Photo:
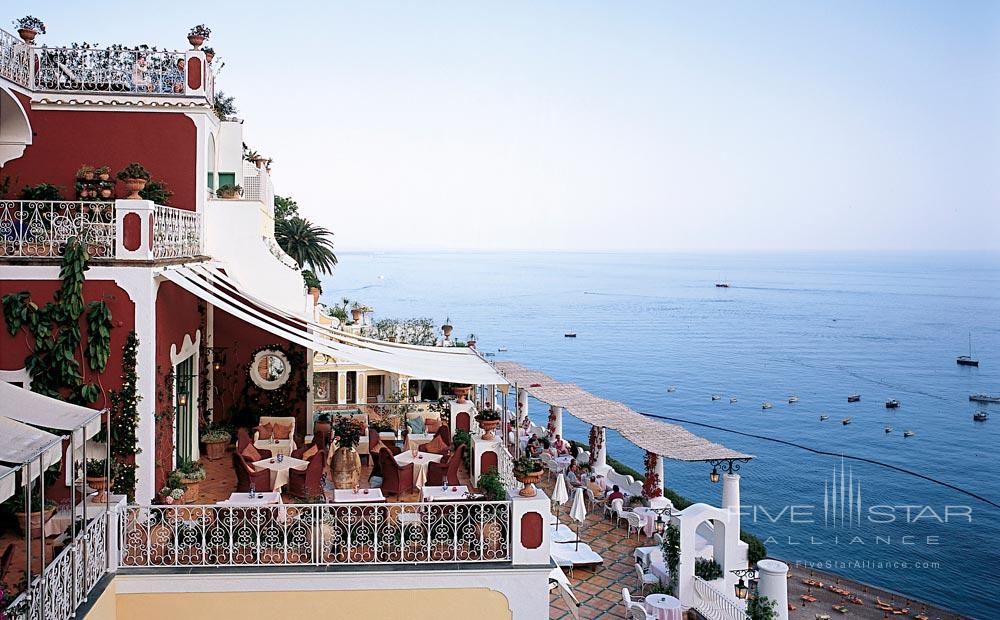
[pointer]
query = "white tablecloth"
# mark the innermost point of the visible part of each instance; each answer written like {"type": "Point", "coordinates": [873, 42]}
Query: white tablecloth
{"type": "Point", "coordinates": [439, 494]}
{"type": "Point", "coordinates": [644, 555]}
{"type": "Point", "coordinates": [419, 464]}
{"type": "Point", "coordinates": [659, 568]}
{"type": "Point", "coordinates": [283, 446]}
{"type": "Point", "coordinates": [244, 499]}
{"type": "Point", "coordinates": [279, 470]}
{"type": "Point", "coordinates": [664, 607]}
{"type": "Point", "coordinates": [563, 461]}
{"type": "Point", "coordinates": [414, 440]}
{"type": "Point", "coordinates": [348, 496]}
{"type": "Point", "coordinates": [648, 519]}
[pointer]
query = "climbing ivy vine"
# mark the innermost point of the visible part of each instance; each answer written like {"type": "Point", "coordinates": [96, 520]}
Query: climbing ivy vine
{"type": "Point", "coordinates": [55, 335]}
{"type": "Point", "coordinates": [124, 412]}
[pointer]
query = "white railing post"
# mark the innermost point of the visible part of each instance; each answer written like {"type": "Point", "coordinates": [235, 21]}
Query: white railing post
{"type": "Point", "coordinates": [530, 533]}
{"type": "Point", "coordinates": [774, 585]}
{"type": "Point", "coordinates": [134, 220]}
{"type": "Point", "coordinates": [195, 73]}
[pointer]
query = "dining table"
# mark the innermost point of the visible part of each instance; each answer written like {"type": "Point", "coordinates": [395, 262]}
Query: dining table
{"type": "Point", "coordinates": [664, 607]}
{"type": "Point", "coordinates": [279, 469]}
{"type": "Point", "coordinates": [563, 461]}
{"type": "Point", "coordinates": [259, 499]}
{"type": "Point", "coordinates": [448, 493]}
{"type": "Point", "coordinates": [649, 517]}
{"type": "Point", "coordinates": [420, 462]}
{"type": "Point", "coordinates": [275, 446]}
{"type": "Point", "coordinates": [361, 496]}
{"type": "Point", "coordinates": [415, 440]}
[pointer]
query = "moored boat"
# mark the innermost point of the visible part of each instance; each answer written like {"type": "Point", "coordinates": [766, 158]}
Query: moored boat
{"type": "Point", "coordinates": [967, 360]}
{"type": "Point", "coordinates": [716, 397]}
{"type": "Point", "coordinates": [766, 406]}
{"type": "Point", "coordinates": [671, 388]}
{"type": "Point", "coordinates": [907, 433]}
{"type": "Point", "coordinates": [892, 403]}
{"type": "Point", "coordinates": [984, 398]}
{"type": "Point", "coordinates": [888, 429]}
{"type": "Point", "coordinates": [980, 416]}
{"type": "Point", "coordinates": [823, 418]}
{"type": "Point", "coordinates": [570, 335]}
{"type": "Point", "coordinates": [845, 421]}
{"type": "Point", "coordinates": [793, 399]}
{"type": "Point", "coordinates": [853, 398]}
{"type": "Point", "coordinates": [732, 400]}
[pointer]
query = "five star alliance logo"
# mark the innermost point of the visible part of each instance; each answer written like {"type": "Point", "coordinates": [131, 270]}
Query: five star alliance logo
{"type": "Point", "coordinates": [842, 498]}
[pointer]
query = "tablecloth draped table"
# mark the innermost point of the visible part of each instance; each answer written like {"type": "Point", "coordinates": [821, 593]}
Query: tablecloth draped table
{"type": "Point", "coordinates": [279, 469]}
{"type": "Point", "coordinates": [440, 494]}
{"type": "Point", "coordinates": [648, 519]}
{"type": "Point", "coordinates": [348, 496]}
{"type": "Point", "coordinates": [282, 446]}
{"type": "Point", "coordinates": [244, 499]}
{"type": "Point", "coordinates": [664, 607]}
{"type": "Point", "coordinates": [415, 440]}
{"type": "Point", "coordinates": [563, 461]}
{"type": "Point", "coordinates": [420, 463]}
{"type": "Point", "coordinates": [659, 568]}
{"type": "Point", "coordinates": [644, 555]}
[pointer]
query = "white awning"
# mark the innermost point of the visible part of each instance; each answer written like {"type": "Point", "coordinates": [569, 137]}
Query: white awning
{"type": "Point", "coordinates": [452, 364]}
{"type": "Point", "coordinates": [23, 405]}
{"type": "Point", "coordinates": [23, 444]}
{"type": "Point", "coordinates": [8, 482]}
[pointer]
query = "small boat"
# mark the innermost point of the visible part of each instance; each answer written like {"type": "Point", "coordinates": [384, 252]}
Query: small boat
{"type": "Point", "coordinates": [845, 421]}
{"type": "Point", "coordinates": [489, 354]}
{"type": "Point", "coordinates": [732, 400]}
{"type": "Point", "coordinates": [888, 429]}
{"type": "Point", "coordinates": [892, 403]}
{"type": "Point", "coordinates": [716, 397]}
{"type": "Point", "coordinates": [984, 398]}
{"type": "Point", "coordinates": [766, 406]}
{"type": "Point", "coordinates": [570, 335]}
{"type": "Point", "coordinates": [967, 360]}
{"type": "Point", "coordinates": [824, 418]}
{"type": "Point", "coordinates": [907, 433]}
{"type": "Point", "coordinates": [502, 349]}
{"type": "Point", "coordinates": [793, 399]}
{"type": "Point", "coordinates": [672, 388]}
{"type": "Point", "coordinates": [722, 285]}
{"type": "Point", "coordinates": [853, 398]}
{"type": "Point", "coordinates": [980, 416]}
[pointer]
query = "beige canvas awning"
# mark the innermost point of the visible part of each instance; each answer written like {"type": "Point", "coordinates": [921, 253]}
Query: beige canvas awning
{"type": "Point", "coordinates": [667, 440]}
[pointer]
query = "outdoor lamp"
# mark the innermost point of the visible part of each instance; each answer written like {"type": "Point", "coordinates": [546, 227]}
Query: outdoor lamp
{"type": "Point", "coordinates": [742, 589]}
{"type": "Point", "coordinates": [714, 476]}
{"type": "Point", "coordinates": [216, 365]}
{"type": "Point", "coordinates": [182, 399]}
{"type": "Point", "coordinates": [661, 525]}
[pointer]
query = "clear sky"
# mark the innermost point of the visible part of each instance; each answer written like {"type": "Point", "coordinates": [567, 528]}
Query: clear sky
{"type": "Point", "coordinates": [608, 125]}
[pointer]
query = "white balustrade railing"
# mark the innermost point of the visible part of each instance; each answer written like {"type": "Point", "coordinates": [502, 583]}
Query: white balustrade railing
{"type": "Point", "coordinates": [283, 258]}
{"type": "Point", "coordinates": [115, 69]}
{"type": "Point", "coordinates": [14, 59]}
{"type": "Point", "coordinates": [68, 579]}
{"type": "Point", "coordinates": [315, 534]}
{"type": "Point", "coordinates": [41, 228]}
{"type": "Point", "coordinates": [176, 233]}
{"type": "Point", "coordinates": [715, 605]}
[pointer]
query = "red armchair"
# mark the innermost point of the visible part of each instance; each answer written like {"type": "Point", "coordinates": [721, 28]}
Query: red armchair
{"type": "Point", "coordinates": [395, 479]}
{"type": "Point", "coordinates": [243, 440]}
{"type": "Point", "coordinates": [245, 475]}
{"type": "Point", "coordinates": [437, 473]}
{"type": "Point", "coordinates": [308, 482]}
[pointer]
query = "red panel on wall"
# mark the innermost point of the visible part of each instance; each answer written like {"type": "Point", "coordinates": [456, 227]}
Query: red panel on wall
{"type": "Point", "coordinates": [194, 73]}
{"type": "Point", "coordinates": [487, 461]}
{"type": "Point", "coordinates": [131, 231]}
{"type": "Point", "coordinates": [531, 530]}
{"type": "Point", "coordinates": [462, 421]}
{"type": "Point", "coordinates": [165, 143]}
{"type": "Point", "coordinates": [149, 238]}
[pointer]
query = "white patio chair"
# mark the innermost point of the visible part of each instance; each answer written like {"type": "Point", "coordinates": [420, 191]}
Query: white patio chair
{"type": "Point", "coordinates": [634, 522]}
{"type": "Point", "coordinates": [592, 500]}
{"type": "Point", "coordinates": [629, 602]}
{"type": "Point", "coordinates": [638, 612]}
{"type": "Point", "coordinates": [658, 539]}
{"type": "Point", "coordinates": [614, 509]}
{"type": "Point", "coordinates": [644, 579]}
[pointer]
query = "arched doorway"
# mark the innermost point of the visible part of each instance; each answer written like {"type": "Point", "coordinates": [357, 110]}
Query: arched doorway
{"type": "Point", "coordinates": [15, 130]}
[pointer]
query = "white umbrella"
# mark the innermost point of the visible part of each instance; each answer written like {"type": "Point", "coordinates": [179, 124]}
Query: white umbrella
{"type": "Point", "coordinates": [559, 494]}
{"type": "Point", "coordinates": [578, 512]}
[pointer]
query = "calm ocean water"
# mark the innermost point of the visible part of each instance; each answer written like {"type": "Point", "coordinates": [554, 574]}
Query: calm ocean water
{"type": "Point", "coordinates": [819, 326]}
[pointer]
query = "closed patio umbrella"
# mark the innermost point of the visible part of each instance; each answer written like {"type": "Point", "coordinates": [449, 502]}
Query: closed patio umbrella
{"type": "Point", "coordinates": [559, 495]}
{"type": "Point", "coordinates": [578, 512]}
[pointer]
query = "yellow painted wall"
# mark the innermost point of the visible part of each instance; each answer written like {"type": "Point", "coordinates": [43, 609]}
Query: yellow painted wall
{"type": "Point", "coordinates": [431, 604]}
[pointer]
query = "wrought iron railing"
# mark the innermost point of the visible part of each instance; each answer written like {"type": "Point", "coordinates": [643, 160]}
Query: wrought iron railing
{"type": "Point", "coordinates": [176, 233]}
{"type": "Point", "coordinates": [36, 228]}
{"type": "Point", "coordinates": [114, 69]}
{"type": "Point", "coordinates": [15, 57]}
{"type": "Point", "coordinates": [714, 605]}
{"type": "Point", "coordinates": [315, 534]}
{"type": "Point", "coordinates": [68, 579]}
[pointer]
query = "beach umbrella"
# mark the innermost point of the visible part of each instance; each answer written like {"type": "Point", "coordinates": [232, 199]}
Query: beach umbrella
{"type": "Point", "coordinates": [559, 495]}
{"type": "Point", "coordinates": [578, 512]}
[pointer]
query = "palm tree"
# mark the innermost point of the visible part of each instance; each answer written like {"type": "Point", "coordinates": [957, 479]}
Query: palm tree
{"type": "Point", "coordinates": [306, 242]}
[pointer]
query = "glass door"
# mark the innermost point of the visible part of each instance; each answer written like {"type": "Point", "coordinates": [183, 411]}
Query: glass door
{"type": "Point", "coordinates": [184, 426]}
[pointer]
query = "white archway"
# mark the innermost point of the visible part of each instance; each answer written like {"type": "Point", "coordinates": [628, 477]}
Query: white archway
{"type": "Point", "coordinates": [724, 538]}
{"type": "Point", "coordinates": [15, 130]}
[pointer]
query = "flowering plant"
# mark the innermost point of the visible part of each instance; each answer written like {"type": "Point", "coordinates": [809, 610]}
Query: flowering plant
{"type": "Point", "coordinates": [30, 23]}
{"type": "Point", "coordinates": [348, 431]}
{"type": "Point", "coordinates": [488, 415]}
{"type": "Point", "coordinates": [651, 484]}
{"type": "Point", "coordinates": [201, 30]}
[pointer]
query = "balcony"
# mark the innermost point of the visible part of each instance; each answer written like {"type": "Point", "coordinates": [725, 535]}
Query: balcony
{"type": "Point", "coordinates": [31, 229]}
{"type": "Point", "coordinates": [112, 70]}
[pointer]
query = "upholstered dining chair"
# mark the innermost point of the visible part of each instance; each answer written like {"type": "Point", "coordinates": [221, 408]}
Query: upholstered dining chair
{"type": "Point", "coordinates": [245, 476]}
{"type": "Point", "coordinates": [243, 440]}
{"type": "Point", "coordinates": [438, 473]}
{"type": "Point", "coordinates": [396, 480]}
{"type": "Point", "coordinates": [309, 482]}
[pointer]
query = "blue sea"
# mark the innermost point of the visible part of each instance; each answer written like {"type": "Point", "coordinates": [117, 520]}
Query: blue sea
{"type": "Point", "coordinates": [819, 326]}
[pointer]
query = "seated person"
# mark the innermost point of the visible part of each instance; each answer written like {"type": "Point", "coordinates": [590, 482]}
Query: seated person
{"type": "Point", "coordinates": [615, 494]}
{"type": "Point", "coordinates": [573, 476]}
{"type": "Point", "coordinates": [561, 446]}
{"type": "Point", "coordinates": [533, 447]}
{"type": "Point", "coordinates": [526, 423]}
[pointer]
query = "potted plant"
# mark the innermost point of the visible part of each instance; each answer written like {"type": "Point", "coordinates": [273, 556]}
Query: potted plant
{"type": "Point", "coordinates": [103, 173]}
{"type": "Point", "coordinates": [229, 192]}
{"type": "Point", "coordinates": [172, 495]}
{"type": "Point", "coordinates": [106, 190]}
{"type": "Point", "coordinates": [85, 172]}
{"type": "Point", "coordinates": [216, 440]}
{"type": "Point", "coordinates": [489, 420]}
{"type": "Point", "coordinates": [471, 340]}
{"type": "Point", "coordinates": [198, 34]}
{"type": "Point", "coordinates": [135, 178]}
{"type": "Point", "coordinates": [527, 472]}
{"type": "Point", "coordinates": [29, 27]}
{"type": "Point", "coordinates": [357, 311]}
{"type": "Point", "coordinates": [96, 472]}
{"type": "Point", "coordinates": [191, 474]}
{"type": "Point", "coordinates": [447, 328]}
{"type": "Point", "coordinates": [209, 54]}
{"type": "Point", "coordinates": [347, 431]}
{"type": "Point", "coordinates": [461, 393]}
{"type": "Point", "coordinates": [39, 514]}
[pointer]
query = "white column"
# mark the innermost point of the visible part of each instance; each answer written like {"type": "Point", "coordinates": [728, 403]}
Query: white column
{"type": "Point", "coordinates": [537, 554]}
{"type": "Point", "coordinates": [774, 585]}
{"type": "Point", "coordinates": [522, 403]}
{"type": "Point", "coordinates": [658, 470]}
{"type": "Point", "coordinates": [558, 411]}
{"type": "Point", "coordinates": [144, 296]}
{"type": "Point", "coordinates": [134, 224]}
{"type": "Point", "coordinates": [731, 496]}
{"type": "Point", "coordinates": [601, 458]}
{"type": "Point", "coordinates": [341, 387]}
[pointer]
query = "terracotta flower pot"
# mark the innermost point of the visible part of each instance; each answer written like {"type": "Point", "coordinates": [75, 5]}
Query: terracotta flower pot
{"type": "Point", "coordinates": [27, 35]}
{"type": "Point", "coordinates": [104, 176]}
{"type": "Point", "coordinates": [461, 393]}
{"type": "Point", "coordinates": [105, 193]}
{"type": "Point", "coordinates": [447, 329]}
{"type": "Point", "coordinates": [346, 468]}
{"type": "Point", "coordinates": [215, 450]}
{"type": "Point", "coordinates": [356, 315]}
{"type": "Point", "coordinates": [99, 484]}
{"type": "Point", "coordinates": [488, 427]}
{"type": "Point", "coordinates": [208, 57]}
{"type": "Point", "coordinates": [38, 519]}
{"type": "Point", "coordinates": [529, 481]}
{"type": "Point", "coordinates": [133, 187]}
{"type": "Point", "coordinates": [193, 492]}
{"type": "Point", "coordinates": [196, 40]}
{"type": "Point", "coordinates": [315, 294]}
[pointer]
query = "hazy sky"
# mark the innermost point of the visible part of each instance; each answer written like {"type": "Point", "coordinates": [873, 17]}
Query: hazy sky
{"type": "Point", "coordinates": [613, 125]}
